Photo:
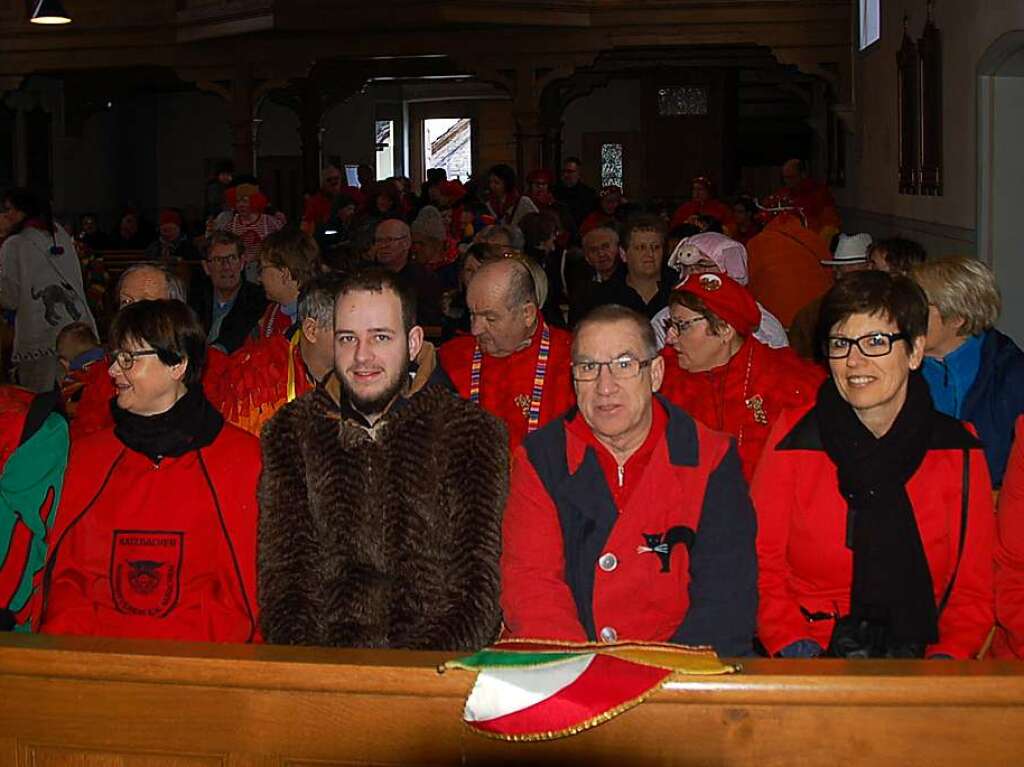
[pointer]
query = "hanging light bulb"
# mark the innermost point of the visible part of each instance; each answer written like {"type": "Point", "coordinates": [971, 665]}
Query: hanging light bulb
{"type": "Point", "coordinates": [50, 12]}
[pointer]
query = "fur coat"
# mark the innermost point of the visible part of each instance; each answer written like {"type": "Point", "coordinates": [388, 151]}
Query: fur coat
{"type": "Point", "coordinates": [383, 537]}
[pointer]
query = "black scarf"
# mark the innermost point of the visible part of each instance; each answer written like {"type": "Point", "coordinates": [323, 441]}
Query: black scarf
{"type": "Point", "coordinates": [892, 585]}
{"type": "Point", "coordinates": [193, 422]}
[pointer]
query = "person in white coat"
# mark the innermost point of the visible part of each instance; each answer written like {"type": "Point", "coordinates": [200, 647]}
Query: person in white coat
{"type": "Point", "coordinates": [41, 281]}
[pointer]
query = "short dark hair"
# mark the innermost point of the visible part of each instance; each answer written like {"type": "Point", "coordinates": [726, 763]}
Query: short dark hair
{"type": "Point", "coordinates": [573, 159]}
{"type": "Point", "coordinates": [538, 227]}
{"type": "Point", "coordinates": [893, 296]}
{"type": "Point", "coordinates": [317, 297]}
{"type": "Point", "coordinates": [31, 205]}
{"type": "Point", "coordinates": [506, 175]}
{"type": "Point", "coordinates": [375, 279]}
{"type": "Point", "coordinates": [294, 250]}
{"type": "Point", "coordinates": [901, 254]}
{"type": "Point", "coordinates": [747, 202]}
{"type": "Point", "coordinates": [643, 222]}
{"type": "Point", "coordinates": [609, 313]}
{"type": "Point", "coordinates": [170, 327]}
{"type": "Point", "coordinates": [224, 237]}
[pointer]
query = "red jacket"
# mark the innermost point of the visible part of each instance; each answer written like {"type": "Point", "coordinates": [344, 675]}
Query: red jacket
{"type": "Point", "coordinates": [578, 559]}
{"type": "Point", "coordinates": [93, 411]}
{"type": "Point", "coordinates": [507, 382]}
{"type": "Point", "coordinates": [718, 398]}
{"type": "Point", "coordinates": [1009, 639]}
{"type": "Point", "coordinates": [154, 551]}
{"type": "Point", "coordinates": [802, 557]}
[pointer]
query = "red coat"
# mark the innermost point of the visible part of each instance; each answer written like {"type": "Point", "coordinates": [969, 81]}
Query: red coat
{"type": "Point", "coordinates": [506, 383]}
{"type": "Point", "coordinates": [717, 398]}
{"type": "Point", "coordinates": [153, 551]}
{"type": "Point", "coordinates": [93, 412]}
{"type": "Point", "coordinates": [1009, 639]}
{"type": "Point", "coordinates": [577, 557]}
{"type": "Point", "coordinates": [714, 208]}
{"type": "Point", "coordinates": [803, 560]}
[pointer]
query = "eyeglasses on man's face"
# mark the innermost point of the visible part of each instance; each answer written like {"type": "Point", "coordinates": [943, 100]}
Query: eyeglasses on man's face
{"type": "Point", "coordinates": [870, 345]}
{"type": "Point", "coordinates": [620, 369]}
{"type": "Point", "coordinates": [229, 260]}
{"type": "Point", "coordinates": [390, 240]}
{"type": "Point", "coordinates": [681, 326]}
{"type": "Point", "coordinates": [126, 359]}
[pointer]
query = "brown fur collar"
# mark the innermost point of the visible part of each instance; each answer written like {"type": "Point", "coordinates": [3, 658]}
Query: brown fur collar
{"type": "Point", "coordinates": [390, 540]}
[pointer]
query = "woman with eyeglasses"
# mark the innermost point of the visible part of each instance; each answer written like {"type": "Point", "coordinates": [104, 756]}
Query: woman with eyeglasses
{"type": "Point", "coordinates": [875, 521]}
{"type": "Point", "coordinates": [719, 373]}
{"type": "Point", "coordinates": [155, 535]}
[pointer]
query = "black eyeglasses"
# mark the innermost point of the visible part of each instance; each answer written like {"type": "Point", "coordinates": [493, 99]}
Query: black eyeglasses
{"type": "Point", "coordinates": [126, 359]}
{"type": "Point", "coordinates": [621, 369]}
{"type": "Point", "coordinates": [681, 326]}
{"type": "Point", "coordinates": [870, 345]}
{"type": "Point", "coordinates": [234, 258]}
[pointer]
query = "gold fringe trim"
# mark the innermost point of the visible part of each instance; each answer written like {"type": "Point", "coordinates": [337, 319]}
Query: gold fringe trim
{"type": "Point", "coordinates": [575, 729]}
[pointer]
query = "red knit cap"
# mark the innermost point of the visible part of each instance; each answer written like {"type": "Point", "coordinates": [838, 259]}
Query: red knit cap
{"type": "Point", "coordinates": [453, 190]}
{"type": "Point", "coordinates": [168, 216]}
{"type": "Point", "coordinates": [725, 298]}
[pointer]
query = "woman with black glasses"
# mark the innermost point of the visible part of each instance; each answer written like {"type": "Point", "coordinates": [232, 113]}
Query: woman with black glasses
{"type": "Point", "coordinates": [155, 534]}
{"type": "Point", "coordinates": [875, 521]}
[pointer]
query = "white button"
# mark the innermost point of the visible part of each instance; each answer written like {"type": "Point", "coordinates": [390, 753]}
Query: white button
{"type": "Point", "coordinates": [608, 562]}
{"type": "Point", "coordinates": [608, 634]}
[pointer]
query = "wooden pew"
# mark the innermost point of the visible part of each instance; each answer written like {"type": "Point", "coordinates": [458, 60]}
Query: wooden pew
{"type": "Point", "coordinates": [92, 702]}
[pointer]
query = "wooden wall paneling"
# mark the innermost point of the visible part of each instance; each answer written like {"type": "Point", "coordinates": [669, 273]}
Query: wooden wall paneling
{"type": "Point", "coordinates": [908, 94]}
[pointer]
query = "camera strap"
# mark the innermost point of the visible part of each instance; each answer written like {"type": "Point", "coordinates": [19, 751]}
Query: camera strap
{"type": "Point", "coordinates": [965, 493]}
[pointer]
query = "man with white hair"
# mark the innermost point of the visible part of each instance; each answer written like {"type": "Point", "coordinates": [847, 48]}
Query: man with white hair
{"type": "Point", "coordinates": [514, 365]}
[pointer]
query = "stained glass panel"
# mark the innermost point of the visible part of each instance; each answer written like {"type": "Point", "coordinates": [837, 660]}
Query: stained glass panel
{"type": "Point", "coordinates": [611, 165]}
{"type": "Point", "coordinates": [686, 100]}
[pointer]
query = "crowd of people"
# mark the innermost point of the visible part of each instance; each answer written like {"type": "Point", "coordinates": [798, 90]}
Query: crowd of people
{"type": "Point", "coordinates": [430, 421]}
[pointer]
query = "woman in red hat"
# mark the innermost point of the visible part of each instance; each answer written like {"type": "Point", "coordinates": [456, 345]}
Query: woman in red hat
{"type": "Point", "coordinates": [720, 374]}
{"type": "Point", "coordinates": [248, 219]}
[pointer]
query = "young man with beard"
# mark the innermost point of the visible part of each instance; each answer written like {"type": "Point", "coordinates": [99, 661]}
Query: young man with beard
{"type": "Point", "coordinates": [381, 495]}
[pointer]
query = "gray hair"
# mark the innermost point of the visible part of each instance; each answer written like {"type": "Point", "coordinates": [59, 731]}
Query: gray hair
{"type": "Point", "coordinates": [175, 287]}
{"type": "Point", "coordinates": [608, 314]}
{"type": "Point", "coordinates": [317, 297]}
{"type": "Point", "coordinates": [513, 234]}
{"type": "Point", "coordinates": [961, 287]}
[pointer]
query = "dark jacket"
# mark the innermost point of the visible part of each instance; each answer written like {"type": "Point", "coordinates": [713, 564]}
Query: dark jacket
{"type": "Point", "coordinates": [386, 536]}
{"type": "Point", "coordinates": [240, 321]}
{"type": "Point", "coordinates": [664, 552]}
{"type": "Point", "coordinates": [996, 398]}
{"type": "Point", "coordinates": [617, 291]}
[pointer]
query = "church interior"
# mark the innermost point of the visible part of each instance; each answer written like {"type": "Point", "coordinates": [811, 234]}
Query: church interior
{"type": "Point", "coordinates": [909, 111]}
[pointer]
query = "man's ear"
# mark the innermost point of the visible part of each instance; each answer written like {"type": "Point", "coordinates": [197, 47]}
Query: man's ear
{"type": "Point", "coordinates": [415, 341]}
{"type": "Point", "coordinates": [622, 254]}
{"type": "Point", "coordinates": [530, 311]}
{"type": "Point", "coordinates": [657, 372]}
{"type": "Point", "coordinates": [310, 330]}
{"type": "Point", "coordinates": [206, 267]}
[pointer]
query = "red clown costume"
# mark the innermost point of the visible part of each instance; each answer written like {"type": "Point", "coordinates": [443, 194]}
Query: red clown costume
{"type": "Point", "coordinates": [526, 389]}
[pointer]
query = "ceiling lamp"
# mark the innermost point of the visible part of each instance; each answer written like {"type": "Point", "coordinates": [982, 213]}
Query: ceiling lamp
{"type": "Point", "coordinates": [50, 12]}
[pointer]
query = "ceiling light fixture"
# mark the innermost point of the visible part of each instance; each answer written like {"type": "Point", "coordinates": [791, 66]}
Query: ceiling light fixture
{"type": "Point", "coordinates": [50, 12]}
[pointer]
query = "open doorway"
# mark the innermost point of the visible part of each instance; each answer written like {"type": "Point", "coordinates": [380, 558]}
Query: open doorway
{"type": "Point", "coordinates": [1001, 172]}
{"type": "Point", "coordinates": [448, 144]}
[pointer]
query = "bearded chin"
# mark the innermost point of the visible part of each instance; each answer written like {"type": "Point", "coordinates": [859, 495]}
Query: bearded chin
{"type": "Point", "coordinates": [374, 406]}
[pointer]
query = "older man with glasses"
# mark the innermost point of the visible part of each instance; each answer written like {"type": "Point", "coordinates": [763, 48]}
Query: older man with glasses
{"type": "Point", "coordinates": [228, 307]}
{"type": "Point", "coordinates": [628, 520]}
{"type": "Point", "coordinates": [392, 243]}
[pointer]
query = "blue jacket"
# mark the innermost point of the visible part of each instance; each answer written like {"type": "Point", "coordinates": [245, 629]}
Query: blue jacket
{"type": "Point", "coordinates": [996, 399]}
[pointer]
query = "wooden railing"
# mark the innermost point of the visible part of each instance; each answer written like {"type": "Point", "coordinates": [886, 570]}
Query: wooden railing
{"type": "Point", "coordinates": [92, 702]}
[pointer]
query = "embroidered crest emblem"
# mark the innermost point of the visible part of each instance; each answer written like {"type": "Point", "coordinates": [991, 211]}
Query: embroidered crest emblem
{"type": "Point", "coordinates": [756, 405]}
{"type": "Point", "coordinates": [662, 544]}
{"type": "Point", "coordinates": [145, 571]}
{"type": "Point", "coordinates": [523, 403]}
{"type": "Point", "coordinates": [710, 282]}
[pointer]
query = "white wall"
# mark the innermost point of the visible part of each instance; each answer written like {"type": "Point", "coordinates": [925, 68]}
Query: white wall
{"type": "Point", "coordinates": [871, 199]}
{"type": "Point", "coordinates": [1008, 188]}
